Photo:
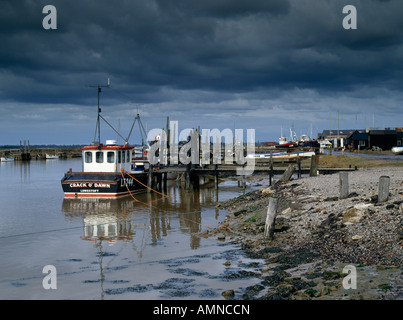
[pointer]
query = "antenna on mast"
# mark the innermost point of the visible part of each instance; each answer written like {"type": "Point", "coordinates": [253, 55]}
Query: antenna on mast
{"type": "Point", "coordinates": [142, 130]}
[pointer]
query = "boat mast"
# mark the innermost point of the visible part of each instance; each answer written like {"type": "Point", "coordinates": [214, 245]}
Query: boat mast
{"type": "Point", "coordinates": [98, 124]}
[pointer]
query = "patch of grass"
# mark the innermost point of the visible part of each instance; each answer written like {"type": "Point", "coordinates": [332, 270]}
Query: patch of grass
{"type": "Point", "coordinates": [310, 292]}
{"type": "Point", "coordinates": [340, 161]}
{"type": "Point", "coordinates": [253, 218]}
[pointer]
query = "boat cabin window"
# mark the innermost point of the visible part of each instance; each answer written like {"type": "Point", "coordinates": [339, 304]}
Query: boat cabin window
{"type": "Point", "coordinates": [123, 157]}
{"type": "Point", "coordinates": [128, 155]}
{"type": "Point", "coordinates": [99, 157]}
{"type": "Point", "coordinates": [110, 157]}
{"type": "Point", "coordinates": [88, 156]}
{"type": "Point", "coordinates": [119, 157]}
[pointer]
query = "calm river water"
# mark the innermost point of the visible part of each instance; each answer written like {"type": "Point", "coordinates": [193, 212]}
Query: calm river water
{"type": "Point", "coordinates": [112, 249]}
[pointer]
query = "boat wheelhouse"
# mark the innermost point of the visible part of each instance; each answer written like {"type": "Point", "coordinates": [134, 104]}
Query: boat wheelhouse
{"type": "Point", "coordinates": [107, 172]}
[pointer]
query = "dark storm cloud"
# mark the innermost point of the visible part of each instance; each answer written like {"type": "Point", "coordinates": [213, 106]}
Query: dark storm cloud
{"type": "Point", "coordinates": [229, 45]}
{"type": "Point", "coordinates": [229, 56]}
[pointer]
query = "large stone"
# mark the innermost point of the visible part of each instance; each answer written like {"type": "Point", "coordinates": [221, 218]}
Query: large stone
{"type": "Point", "coordinates": [228, 294]}
{"type": "Point", "coordinates": [356, 214]}
{"type": "Point", "coordinates": [268, 191]}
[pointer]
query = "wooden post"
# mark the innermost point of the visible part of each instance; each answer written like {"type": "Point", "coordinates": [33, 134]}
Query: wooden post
{"type": "Point", "coordinates": [187, 176]}
{"type": "Point", "coordinates": [159, 181]}
{"type": "Point", "coordinates": [196, 181]}
{"type": "Point", "coordinates": [299, 165]}
{"type": "Point", "coordinates": [343, 187]}
{"type": "Point", "coordinates": [287, 174]}
{"type": "Point", "coordinates": [168, 144]}
{"type": "Point", "coordinates": [271, 168]}
{"type": "Point", "coordinates": [314, 166]}
{"type": "Point", "coordinates": [271, 218]}
{"type": "Point", "coordinates": [150, 178]}
{"type": "Point", "coordinates": [383, 188]}
{"type": "Point", "coordinates": [165, 178]}
{"type": "Point", "coordinates": [216, 176]}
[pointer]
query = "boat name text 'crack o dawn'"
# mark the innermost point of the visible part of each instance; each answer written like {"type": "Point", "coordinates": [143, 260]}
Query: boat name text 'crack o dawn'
{"type": "Point", "coordinates": [90, 185]}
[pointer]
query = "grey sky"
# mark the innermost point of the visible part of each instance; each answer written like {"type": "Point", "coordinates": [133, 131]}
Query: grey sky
{"type": "Point", "coordinates": [264, 64]}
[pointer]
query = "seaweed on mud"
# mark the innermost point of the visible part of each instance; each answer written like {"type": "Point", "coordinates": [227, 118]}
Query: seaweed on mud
{"type": "Point", "coordinates": [295, 257]}
{"type": "Point", "coordinates": [251, 291]}
{"type": "Point", "coordinates": [208, 293]}
{"type": "Point", "coordinates": [136, 288]}
{"type": "Point", "coordinates": [275, 279]}
{"type": "Point", "coordinates": [264, 253]}
{"type": "Point", "coordinates": [231, 274]}
{"type": "Point", "coordinates": [173, 283]}
{"type": "Point", "coordinates": [188, 272]}
{"type": "Point", "coordinates": [176, 262]}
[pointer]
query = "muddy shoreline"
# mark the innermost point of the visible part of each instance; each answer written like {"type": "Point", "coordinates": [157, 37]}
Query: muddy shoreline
{"type": "Point", "coordinates": [317, 235]}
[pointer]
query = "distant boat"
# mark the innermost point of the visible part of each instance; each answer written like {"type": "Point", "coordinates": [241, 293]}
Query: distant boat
{"type": "Point", "coordinates": [48, 156]}
{"type": "Point", "coordinates": [6, 159]}
{"type": "Point", "coordinates": [287, 145]}
{"type": "Point", "coordinates": [397, 150]}
{"type": "Point", "coordinates": [294, 155]}
{"type": "Point", "coordinates": [264, 155]}
{"type": "Point", "coordinates": [325, 144]}
{"type": "Point", "coordinates": [310, 145]}
{"type": "Point", "coordinates": [282, 155]}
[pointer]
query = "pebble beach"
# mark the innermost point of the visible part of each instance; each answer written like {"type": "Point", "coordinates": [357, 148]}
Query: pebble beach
{"type": "Point", "coordinates": [318, 235]}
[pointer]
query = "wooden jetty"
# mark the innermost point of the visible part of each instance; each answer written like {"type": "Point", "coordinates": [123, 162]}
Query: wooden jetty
{"type": "Point", "coordinates": [192, 173]}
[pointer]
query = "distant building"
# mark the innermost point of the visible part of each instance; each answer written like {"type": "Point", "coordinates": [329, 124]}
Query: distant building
{"type": "Point", "coordinates": [399, 136]}
{"type": "Point", "coordinates": [357, 140]}
{"type": "Point", "coordinates": [384, 138]}
{"type": "Point", "coordinates": [335, 134]}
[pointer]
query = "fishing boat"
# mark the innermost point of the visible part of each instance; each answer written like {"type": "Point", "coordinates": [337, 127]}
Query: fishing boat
{"type": "Point", "coordinates": [287, 143]}
{"type": "Point", "coordinates": [7, 159]}
{"type": "Point", "coordinates": [397, 150]}
{"type": "Point", "coordinates": [310, 145]}
{"type": "Point", "coordinates": [107, 169]}
{"type": "Point", "coordinates": [48, 156]}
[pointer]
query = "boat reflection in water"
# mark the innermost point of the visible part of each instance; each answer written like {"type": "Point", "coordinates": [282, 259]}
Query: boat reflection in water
{"type": "Point", "coordinates": [119, 219]}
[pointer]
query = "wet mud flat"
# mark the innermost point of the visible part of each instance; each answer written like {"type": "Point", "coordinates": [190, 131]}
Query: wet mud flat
{"type": "Point", "coordinates": [212, 275]}
{"type": "Point", "coordinates": [318, 235]}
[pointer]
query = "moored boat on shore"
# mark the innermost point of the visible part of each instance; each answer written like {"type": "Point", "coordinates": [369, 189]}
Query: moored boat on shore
{"type": "Point", "coordinates": [107, 170]}
{"type": "Point", "coordinates": [397, 150]}
{"type": "Point", "coordinates": [282, 155]}
{"type": "Point", "coordinates": [7, 159]}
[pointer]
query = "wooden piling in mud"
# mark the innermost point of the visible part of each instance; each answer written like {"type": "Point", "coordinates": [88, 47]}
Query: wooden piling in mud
{"type": "Point", "coordinates": [150, 179]}
{"type": "Point", "coordinates": [383, 188]}
{"type": "Point", "coordinates": [299, 165]}
{"type": "Point", "coordinates": [187, 177]}
{"type": "Point", "coordinates": [314, 166]}
{"type": "Point", "coordinates": [287, 174]}
{"type": "Point", "coordinates": [271, 218]}
{"type": "Point", "coordinates": [343, 187]}
{"type": "Point", "coordinates": [216, 176]}
{"type": "Point", "coordinates": [271, 169]}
